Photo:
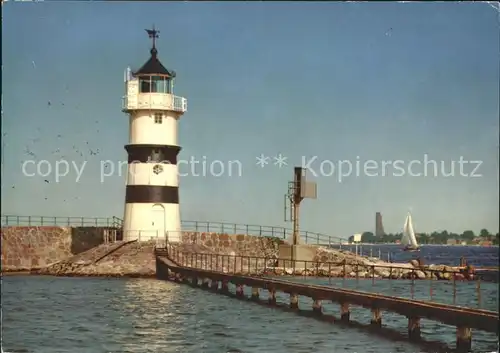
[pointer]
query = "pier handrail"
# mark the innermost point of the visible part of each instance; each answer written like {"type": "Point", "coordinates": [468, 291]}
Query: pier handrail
{"type": "Point", "coordinates": [217, 280]}
{"type": "Point", "coordinates": [268, 265]}
{"type": "Point", "coordinates": [485, 320]}
{"type": "Point", "coordinates": [176, 255]}
{"type": "Point", "coordinates": [187, 225]}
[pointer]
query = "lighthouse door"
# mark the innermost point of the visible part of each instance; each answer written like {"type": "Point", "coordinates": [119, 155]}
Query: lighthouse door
{"type": "Point", "coordinates": [158, 222]}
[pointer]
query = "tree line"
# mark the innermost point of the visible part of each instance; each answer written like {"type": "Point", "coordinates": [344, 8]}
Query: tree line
{"type": "Point", "coordinates": [442, 237]}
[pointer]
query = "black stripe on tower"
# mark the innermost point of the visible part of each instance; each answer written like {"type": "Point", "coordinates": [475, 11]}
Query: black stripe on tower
{"type": "Point", "coordinates": [151, 194]}
{"type": "Point", "coordinates": [152, 153]}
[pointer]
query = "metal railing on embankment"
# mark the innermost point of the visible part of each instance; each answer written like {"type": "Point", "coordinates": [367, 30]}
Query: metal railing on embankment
{"type": "Point", "coordinates": [253, 229]}
{"type": "Point", "coordinates": [447, 285]}
{"type": "Point", "coordinates": [36, 221]}
{"type": "Point", "coordinates": [194, 268]}
{"type": "Point", "coordinates": [188, 226]}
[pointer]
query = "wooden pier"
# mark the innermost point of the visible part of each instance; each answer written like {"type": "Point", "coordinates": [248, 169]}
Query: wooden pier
{"type": "Point", "coordinates": [464, 319]}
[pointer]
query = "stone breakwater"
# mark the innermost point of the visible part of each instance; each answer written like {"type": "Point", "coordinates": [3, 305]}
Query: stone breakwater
{"type": "Point", "coordinates": [134, 259]}
{"type": "Point", "coordinates": [121, 259]}
{"type": "Point", "coordinates": [436, 272]}
{"type": "Point", "coordinates": [65, 251]}
{"type": "Point", "coordinates": [342, 263]}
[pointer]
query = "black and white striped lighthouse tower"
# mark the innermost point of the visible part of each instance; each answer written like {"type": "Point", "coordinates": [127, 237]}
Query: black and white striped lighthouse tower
{"type": "Point", "coordinates": [152, 194]}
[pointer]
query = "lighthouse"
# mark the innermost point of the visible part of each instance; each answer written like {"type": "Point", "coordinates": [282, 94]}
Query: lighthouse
{"type": "Point", "coordinates": [152, 191]}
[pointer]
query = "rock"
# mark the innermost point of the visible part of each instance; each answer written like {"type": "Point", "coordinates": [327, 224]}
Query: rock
{"type": "Point", "coordinates": [420, 274]}
{"type": "Point", "coordinates": [322, 272]}
{"type": "Point", "coordinates": [415, 263]}
{"type": "Point", "coordinates": [384, 273]}
{"type": "Point", "coordinates": [307, 272]}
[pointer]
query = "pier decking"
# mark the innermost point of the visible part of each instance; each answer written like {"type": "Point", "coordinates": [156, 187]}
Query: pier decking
{"type": "Point", "coordinates": [464, 319]}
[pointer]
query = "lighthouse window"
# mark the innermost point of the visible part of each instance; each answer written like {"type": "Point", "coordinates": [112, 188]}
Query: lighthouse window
{"type": "Point", "coordinates": [168, 86]}
{"type": "Point", "coordinates": [158, 84]}
{"type": "Point", "coordinates": [155, 84]}
{"type": "Point", "coordinates": [158, 118]}
{"type": "Point", "coordinates": [145, 84]}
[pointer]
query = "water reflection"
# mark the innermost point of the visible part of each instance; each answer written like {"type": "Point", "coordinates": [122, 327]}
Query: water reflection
{"type": "Point", "coordinates": [152, 310]}
{"type": "Point", "coordinates": [59, 315]}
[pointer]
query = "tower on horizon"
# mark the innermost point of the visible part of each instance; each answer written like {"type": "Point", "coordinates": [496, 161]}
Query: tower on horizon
{"type": "Point", "coordinates": [379, 226]}
{"type": "Point", "coordinates": [152, 192]}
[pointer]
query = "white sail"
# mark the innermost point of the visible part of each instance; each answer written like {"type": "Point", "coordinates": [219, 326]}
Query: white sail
{"type": "Point", "coordinates": [409, 234]}
{"type": "Point", "coordinates": [405, 240]}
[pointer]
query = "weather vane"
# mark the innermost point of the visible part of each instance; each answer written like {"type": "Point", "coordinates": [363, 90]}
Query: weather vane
{"type": "Point", "coordinates": [153, 33]}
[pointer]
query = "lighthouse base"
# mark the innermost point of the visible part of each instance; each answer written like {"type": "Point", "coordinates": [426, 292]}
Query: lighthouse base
{"type": "Point", "coordinates": [152, 221]}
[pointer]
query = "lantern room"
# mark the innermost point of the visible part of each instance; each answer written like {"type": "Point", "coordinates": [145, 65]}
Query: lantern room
{"type": "Point", "coordinates": [152, 86]}
{"type": "Point", "coordinates": [154, 77]}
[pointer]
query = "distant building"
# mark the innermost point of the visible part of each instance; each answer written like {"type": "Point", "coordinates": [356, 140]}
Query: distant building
{"type": "Point", "coordinates": [379, 226]}
{"type": "Point", "coordinates": [482, 241]}
{"type": "Point", "coordinates": [356, 238]}
{"type": "Point", "coordinates": [452, 241]}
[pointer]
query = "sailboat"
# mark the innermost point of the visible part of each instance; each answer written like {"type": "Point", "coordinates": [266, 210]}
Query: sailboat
{"type": "Point", "coordinates": [409, 240]}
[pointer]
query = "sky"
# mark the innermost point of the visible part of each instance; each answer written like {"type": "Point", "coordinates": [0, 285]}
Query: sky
{"type": "Point", "coordinates": [322, 84]}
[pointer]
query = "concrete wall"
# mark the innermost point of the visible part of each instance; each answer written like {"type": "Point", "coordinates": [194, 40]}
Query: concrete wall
{"type": "Point", "coordinates": [26, 248]}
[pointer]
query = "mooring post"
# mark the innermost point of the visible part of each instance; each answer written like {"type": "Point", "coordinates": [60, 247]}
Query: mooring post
{"type": "Point", "coordinates": [478, 290]}
{"type": "Point", "coordinates": [464, 339]}
{"type": "Point", "coordinates": [294, 301]}
{"type": "Point", "coordinates": [272, 297]}
{"type": "Point", "coordinates": [414, 328]}
{"type": "Point", "coordinates": [376, 317]}
{"type": "Point", "coordinates": [194, 281]}
{"type": "Point", "coordinates": [214, 285]}
{"type": "Point", "coordinates": [225, 286]}
{"type": "Point", "coordinates": [462, 261]}
{"type": "Point", "coordinates": [317, 308]}
{"type": "Point", "coordinates": [344, 312]}
{"type": "Point", "coordinates": [205, 283]}
{"type": "Point", "coordinates": [239, 290]}
{"type": "Point", "coordinates": [454, 289]}
{"type": "Point", "coordinates": [255, 293]}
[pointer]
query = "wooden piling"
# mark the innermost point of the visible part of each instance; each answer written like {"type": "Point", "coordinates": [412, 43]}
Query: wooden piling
{"type": "Point", "coordinates": [344, 312]}
{"type": "Point", "coordinates": [414, 328]}
{"type": "Point", "coordinates": [239, 290]}
{"type": "Point", "coordinates": [214, 285]}
{"type": "Point", "coordinates": [225, 286]}
{"type": "Point", "coordinates": [255, 293]}
{"type": "Point", "coordinates": [294, 301]}
{"type": "Point", "coordinates": [272, 297]}
{"type": "Point", "coordinates": [464, 339]}
{"type": "Point", "coordinates": [376, 317]}
{"type": "Point", "coordinates": [317, 307]}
